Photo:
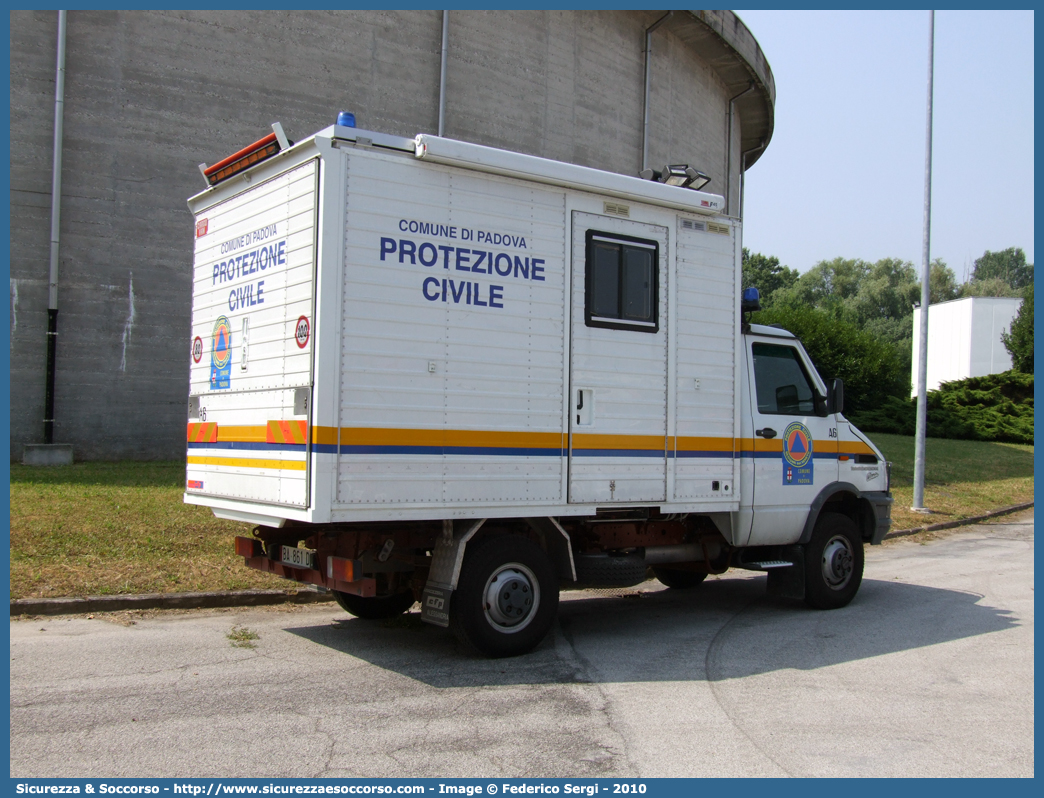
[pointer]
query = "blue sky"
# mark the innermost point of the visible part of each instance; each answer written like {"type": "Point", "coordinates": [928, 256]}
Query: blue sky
{"type": "Point", "coordinates": [844, 173]}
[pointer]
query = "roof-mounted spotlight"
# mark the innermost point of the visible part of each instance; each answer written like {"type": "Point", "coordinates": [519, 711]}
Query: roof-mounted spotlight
{"type": "Point", "coordinates": [681, 175]}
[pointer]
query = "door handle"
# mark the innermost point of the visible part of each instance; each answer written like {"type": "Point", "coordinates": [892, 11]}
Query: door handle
{"type": "Point", "coordinates": [768, 432]}
{"type": "Point", "coordinates": [585, 406]}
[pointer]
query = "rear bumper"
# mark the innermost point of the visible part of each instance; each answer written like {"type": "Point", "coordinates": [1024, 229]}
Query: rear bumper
{"type": "Point", "coordinates": [881, 503]}
{"type": "Point", "coordinates": [335, 573]}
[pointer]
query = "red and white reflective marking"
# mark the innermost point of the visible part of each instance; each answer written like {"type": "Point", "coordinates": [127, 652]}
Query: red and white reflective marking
{"type": "Point", "coordinates": [201, 228]}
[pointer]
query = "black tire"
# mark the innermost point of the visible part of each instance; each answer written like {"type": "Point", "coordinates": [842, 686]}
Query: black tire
{"type": "Point", "coordinates": [678, 579]}
{"type": "Point", "coordinates": [833, 562]}
{"type": "Point", "coordinates": [609, 570]}
{"type": "Point", "coordinates": [506, 598]}
{"type": "Point", "coordinates": [374, 608]}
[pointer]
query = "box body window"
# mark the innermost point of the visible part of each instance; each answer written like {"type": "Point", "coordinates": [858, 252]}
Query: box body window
{"type": "Point", "coordinates": [622, 282]}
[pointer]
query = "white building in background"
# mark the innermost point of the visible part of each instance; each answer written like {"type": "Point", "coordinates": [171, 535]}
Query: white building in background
{"type": "Point", "coordinates": [964, 338]}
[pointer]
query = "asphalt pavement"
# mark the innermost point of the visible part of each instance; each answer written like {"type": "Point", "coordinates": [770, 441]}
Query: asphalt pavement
{"type": "Point", "coordinates": [929, 672]}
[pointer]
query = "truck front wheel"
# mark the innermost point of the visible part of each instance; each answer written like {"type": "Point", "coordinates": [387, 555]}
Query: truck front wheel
{"type": "Point", "coordinates": [833, 562]}
{"type": "Point", "coordinates": [506, 598]}
{"type": "Point", "coordinates": [374, 608]}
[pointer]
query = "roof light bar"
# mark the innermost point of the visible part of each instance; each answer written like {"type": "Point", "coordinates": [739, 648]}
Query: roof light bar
{"type": "Point", "coordinates": [245, 158]}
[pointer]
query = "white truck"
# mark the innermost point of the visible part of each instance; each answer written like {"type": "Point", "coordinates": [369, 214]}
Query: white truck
{"type": "Point", "coordinates": [428, 370]}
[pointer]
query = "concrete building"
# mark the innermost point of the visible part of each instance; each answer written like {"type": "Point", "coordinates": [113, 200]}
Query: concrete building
{"type": "Point", "coordinates": [151, 94]}
{"type": "Point", "coordinates": [964, 339]}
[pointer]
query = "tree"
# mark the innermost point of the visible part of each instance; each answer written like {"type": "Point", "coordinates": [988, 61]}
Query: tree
{"type": "Point", "coordinates": [827, 284]}
{"type": "Point", "coordinates": [993, 286]}
{"type": "Point", "coordinates": [898, 333]}
{"type": "Point", "coordinates": [1019, 342]}
{"type": "Point", "coordinates": [1008, 265]}
{"type": "Point", "coordinates": [765, 273]}
{"type": "Point", "coordinates": [887, 291]}
{"type": "Point", "coordinates": [942, 283]}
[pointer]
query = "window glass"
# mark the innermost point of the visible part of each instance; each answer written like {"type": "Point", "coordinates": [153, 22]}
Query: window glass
{"type": "Point", "coordinates": [621, 282]}
{"type": "Point", "coordinates": [637, 284]}
{"type": "Point", "coordinates": [605, 289]}
{"type": "Point", "coordinates": [781, 384]}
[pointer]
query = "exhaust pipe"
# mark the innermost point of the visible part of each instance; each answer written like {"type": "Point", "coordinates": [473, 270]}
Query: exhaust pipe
{"type": "Point", "coordinates": [681, 552]}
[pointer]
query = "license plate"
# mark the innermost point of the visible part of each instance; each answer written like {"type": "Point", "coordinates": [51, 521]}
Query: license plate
{"type": "Point", "coordinates": [302, 558]}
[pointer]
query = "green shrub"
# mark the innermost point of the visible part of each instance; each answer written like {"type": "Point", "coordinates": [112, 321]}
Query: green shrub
{"type": "Point", "coordinates": [894, 416]}
{"type": "Point", "coordinates": [997, 407]}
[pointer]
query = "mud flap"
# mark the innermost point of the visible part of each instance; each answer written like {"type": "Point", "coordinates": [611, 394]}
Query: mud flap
{"type": "Point", "coordinates": [789, 582]}
{"type": "Point", "coordinates": [445, 570]}
{"type": "Point", "coordinates": [556, 543]}
{"type": "Point", "coordinates": [435, 605]}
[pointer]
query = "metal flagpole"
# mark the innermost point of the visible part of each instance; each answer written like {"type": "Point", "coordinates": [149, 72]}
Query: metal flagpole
{"type": "Point", "coordinates": [922, 363]}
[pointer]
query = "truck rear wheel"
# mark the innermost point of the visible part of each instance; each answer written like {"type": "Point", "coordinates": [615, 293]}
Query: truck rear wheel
{"type": "Point", "coordinates": [678, 579]}
{"type": "Point", "coordinates": [833, 562]}
{"type": "Point", "coordinates": [374, 608]}
{"type": "Point", "coordinates": [506, 598]}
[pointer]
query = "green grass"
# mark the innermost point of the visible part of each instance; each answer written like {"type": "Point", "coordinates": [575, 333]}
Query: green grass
{"type": "Point", "coordinates": [108, 528]}
{"type": "Point", "coordinates": [961, 478]}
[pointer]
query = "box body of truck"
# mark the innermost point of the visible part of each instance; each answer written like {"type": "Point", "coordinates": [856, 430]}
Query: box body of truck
{"type": "Point", "coordinates": [402, 347]}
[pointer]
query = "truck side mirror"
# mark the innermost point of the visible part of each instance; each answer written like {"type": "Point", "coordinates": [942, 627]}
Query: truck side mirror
{"type": "Point", "coordinates": [836, 400]}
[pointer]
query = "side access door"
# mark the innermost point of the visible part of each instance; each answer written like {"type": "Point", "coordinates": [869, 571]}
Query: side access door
{"type": "Point", "coordinates": [253, 312]}
{"type": "Point", "coordinates": [618, 361]}
{"type": "Point", "coordinates": [794, 443]}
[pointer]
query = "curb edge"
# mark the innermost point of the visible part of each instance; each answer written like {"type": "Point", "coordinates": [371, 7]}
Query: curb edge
{"type": "Point", "coordinates": [900, 533]}
{"type": "Point", "coordinates": [165, 601]}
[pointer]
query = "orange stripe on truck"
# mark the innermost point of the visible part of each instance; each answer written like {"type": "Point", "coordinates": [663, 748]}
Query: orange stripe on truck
{"type": "Point", "coordinates": [236, 434]}
{"type": "Point", "coordinates": [294, 431]}
{"type": "Point", "coordinates": [381, 436]}
{"type": "Point", "coordinates": [202, 432]}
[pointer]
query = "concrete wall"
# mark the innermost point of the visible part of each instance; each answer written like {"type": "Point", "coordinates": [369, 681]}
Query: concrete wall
{"type": "Point", "coordinates": [151, 94]}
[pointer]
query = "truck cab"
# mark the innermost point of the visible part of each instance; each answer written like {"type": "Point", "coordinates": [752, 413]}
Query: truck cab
{"type": "Point", "coordinates": [800, 454]}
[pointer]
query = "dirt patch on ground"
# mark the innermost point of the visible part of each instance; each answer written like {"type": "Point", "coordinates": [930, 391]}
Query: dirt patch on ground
{"type": "Point", "coordinates": [1019, 517]}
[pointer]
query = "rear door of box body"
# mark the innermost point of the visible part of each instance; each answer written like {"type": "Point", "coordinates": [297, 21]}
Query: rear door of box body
{"type": "Point", "coordinates": [252, 342]}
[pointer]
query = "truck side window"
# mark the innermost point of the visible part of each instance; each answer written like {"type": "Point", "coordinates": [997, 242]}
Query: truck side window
{"type": "Point", "coordinates": [622, 287]}
{"type": "Point", "coordinates": [781, 383]}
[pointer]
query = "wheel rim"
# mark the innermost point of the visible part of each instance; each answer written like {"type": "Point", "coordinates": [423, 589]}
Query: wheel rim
{"type": "Point", "coordinates": [511, 598]}
{"type": "Point", "coordinates": [838, 562]}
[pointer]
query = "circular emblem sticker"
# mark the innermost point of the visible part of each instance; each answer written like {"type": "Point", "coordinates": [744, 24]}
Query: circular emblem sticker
{"type": "Point", "coordinates": [302, 332]}
{"type": "Point", "coordinates": [197, 350]}
{"type": "Point", "coordinates": [222, 343]}
{"type": "Point", "coordinates": [797, 445]}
